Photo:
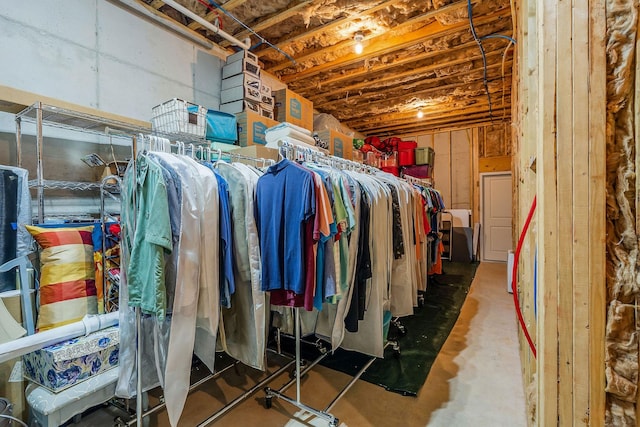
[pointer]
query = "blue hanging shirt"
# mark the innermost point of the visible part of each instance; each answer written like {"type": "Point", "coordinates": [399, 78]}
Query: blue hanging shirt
{"type": "Point", "coordinates": [285, 200]}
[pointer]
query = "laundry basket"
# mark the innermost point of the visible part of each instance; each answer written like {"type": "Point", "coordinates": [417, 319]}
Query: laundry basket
{"type": "Point", "coordinates": [180, 117]}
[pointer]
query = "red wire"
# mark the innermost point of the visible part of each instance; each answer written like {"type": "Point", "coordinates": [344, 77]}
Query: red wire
{"type": "Point", "coordinates": [514, 278]}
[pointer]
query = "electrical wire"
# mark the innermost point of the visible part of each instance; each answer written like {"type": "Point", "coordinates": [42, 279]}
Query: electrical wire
{"type": "Point", "coordinates": [484, 56]}
{"type": "Point", "coordinates": [514, 278]}
{"type": "Point", "coordinates": [498, 36]}
{"type": "Point", "coordinates": [9, 417]}
{"type": "Point", "coordinates": [212, 3]}
{"type": "Point", "coordinates": [478, 40]}
{"type": "Point", "coordinates": [504, 83]}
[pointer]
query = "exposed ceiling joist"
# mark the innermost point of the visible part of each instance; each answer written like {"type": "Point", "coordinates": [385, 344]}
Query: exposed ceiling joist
{"type": "Point", "coordinates": [383, 45]}
{"type": "Point", "coordinates": [417, 55]}
{"type": "Point", "coordinates": [210, 16]}
{"type": "Point", "coordinates": [273, 19]}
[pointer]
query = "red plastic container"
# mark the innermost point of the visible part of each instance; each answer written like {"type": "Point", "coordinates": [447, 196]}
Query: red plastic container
{"type": "Point", "coordinates": [393, 170]}
{"type": "Point", "coordinates": [407, 157]}
{"type": "Point", "coordinates": [407, 145]}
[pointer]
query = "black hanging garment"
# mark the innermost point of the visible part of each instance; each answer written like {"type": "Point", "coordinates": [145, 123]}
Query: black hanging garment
{"type": "Point", "coordinates": [8, 217]}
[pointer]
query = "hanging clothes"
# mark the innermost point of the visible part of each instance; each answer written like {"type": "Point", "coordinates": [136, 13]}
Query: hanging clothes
{"type": "Point", "coordinates": [243, 325]}
{"type": "Point", "coordinates": [285, 198]}
{"type": "Point", "coordinates": [8, 216]}
{"type": "Point", "coordinates": [24, 241]}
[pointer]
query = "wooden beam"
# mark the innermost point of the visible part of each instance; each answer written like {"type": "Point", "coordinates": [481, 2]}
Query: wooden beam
{"type": "Point", "coordinates": [494, 164]}
{"type": "Point", "coordinates": [405, 62]}
{"type": "Point", "coordinates": [272, 20]}
{"type": "Point", "coordinates": [382, 45]}
{"type": "Point", "coordinates": [212, 14]}
{"type": "Point", "coordinates": [385, 103]}
{"type": "Point", "coordinates": [429, 115]}
{"type": "Point", "coordinates": [564, 239]}
{"type": "Point", "coordinates": [331, 25]}
{"type": "Point", "coordinates": [444, 127]}
{"type": "Point", "coordinates": [397, 118]}
{"type": "Point", "coordinates": [597, 208]}
{"type": "Point", "coordinates": [313, 95]}
{"type": "Point", "coordinates": [409, 85]}
{"type": "Point", "coordinates": [435, 111]}
{"type": "Point", "coordinates": [547, 214]}
{"type": "Point", "coordinates": [410, 128]}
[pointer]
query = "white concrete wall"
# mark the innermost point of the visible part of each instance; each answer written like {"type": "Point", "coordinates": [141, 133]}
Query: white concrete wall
{"type": "Point", "coordinates": [96, 54]}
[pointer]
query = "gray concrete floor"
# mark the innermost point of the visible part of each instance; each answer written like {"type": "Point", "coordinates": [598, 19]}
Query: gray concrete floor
{"type": "Point", "coordinates": [475, 381]}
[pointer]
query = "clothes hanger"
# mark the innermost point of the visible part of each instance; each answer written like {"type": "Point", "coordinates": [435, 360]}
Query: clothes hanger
{"type": "Point", "coordinates": [219, 153]}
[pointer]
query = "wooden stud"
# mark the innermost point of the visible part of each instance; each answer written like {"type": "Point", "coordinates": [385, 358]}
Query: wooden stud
{"type": "Point", "coordinates": [547, 361]}
{"type": "Point", "coordinates": [597, 225]}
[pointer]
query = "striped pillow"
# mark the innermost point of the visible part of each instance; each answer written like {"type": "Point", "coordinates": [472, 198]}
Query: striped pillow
{"type": "Point", "coordinates": [67, 277]}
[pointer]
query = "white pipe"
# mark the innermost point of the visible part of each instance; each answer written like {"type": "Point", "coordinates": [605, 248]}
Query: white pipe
{"type": "Point", "coordinates": [87, 325]}
{"type": "Point", "coordinates": [137, 7]}
{"type": "Point", "coordinates": [206, 24]}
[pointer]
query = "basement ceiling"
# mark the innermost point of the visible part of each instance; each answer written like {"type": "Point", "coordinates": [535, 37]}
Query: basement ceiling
{"type": "Point", "coordinates": [418, 55]}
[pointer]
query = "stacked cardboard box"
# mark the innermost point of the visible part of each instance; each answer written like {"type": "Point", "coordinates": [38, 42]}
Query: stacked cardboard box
{"type": "Point", "coordinates": [252, 127]}
{"type": "Point", "coordinates": [293, 108]}
{"type": "Point", "coordinates": [267, 102]}
{"type": "Point", "coordinates": [241, 83]}
{"type": "Point", "coordinates": [340, 145]}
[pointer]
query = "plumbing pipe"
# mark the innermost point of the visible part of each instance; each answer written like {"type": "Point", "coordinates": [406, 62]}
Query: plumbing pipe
{"type": "Point", "coordinates": [206, 24]}
{"type": "Point", "coordinates": [137, 7]}
{"type": "Point", "coordinates": [87, 325]}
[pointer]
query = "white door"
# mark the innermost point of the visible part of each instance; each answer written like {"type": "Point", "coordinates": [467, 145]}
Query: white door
{"type": "Point", "coordinates": [496, 216]}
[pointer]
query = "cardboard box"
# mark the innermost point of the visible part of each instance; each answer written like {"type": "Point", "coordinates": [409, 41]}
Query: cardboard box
{"type": "Point", "coordinates": [238, 93]}
{"type": "Point", "coordinates": [267, 102]}
{"type": "Point", "coordinates": [293, 108]}
{"type": "Point", "coordinates": [243, 79]}
{"type": "Point", "coordinates": [265, 90]}
{"type": "Point", "coordinates": [252, 127]}
{"type": "Point", "coordinates": [242, 55]}
{"type": "Point", "coordinates": [60, 366]}
{"type": "Point", "coordinates": [239, 67]}
{"type": "Point", "coordinates": [259, 152]}
{"type": "Point", "coordinates": [266, 112]}
{"type": "Point", "coordinates": [239, 106]}
{"type": "Point", "coordinates": [340, 145]}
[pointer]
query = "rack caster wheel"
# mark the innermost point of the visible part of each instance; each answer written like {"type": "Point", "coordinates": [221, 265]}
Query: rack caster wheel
{"type": "Point", "coordinates": [268, 402]}
{"type": "Point", "coordinates": [334, 423]}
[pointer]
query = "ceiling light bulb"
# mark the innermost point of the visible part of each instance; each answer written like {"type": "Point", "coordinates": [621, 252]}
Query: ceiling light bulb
{"type": "Point", "coordinates": [358, 39]}
{"type": "Point", "coordinates": [420, 114]}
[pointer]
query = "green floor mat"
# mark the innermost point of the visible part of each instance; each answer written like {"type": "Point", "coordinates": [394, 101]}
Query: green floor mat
{"type": "Point", "coordinates": [426, 332]}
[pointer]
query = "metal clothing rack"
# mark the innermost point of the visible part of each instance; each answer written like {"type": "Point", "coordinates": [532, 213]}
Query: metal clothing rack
{"type": "Point", "coordinates": [290, 150]}
{"type": "Point", "coordinates": [199, 151]}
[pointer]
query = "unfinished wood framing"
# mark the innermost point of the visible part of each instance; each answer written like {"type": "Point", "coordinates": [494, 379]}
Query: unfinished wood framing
{"type": "Point", "coordinates": [560, 122]}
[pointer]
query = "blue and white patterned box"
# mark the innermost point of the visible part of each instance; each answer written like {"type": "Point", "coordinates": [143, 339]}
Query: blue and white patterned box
{"type": "Point", "coordinates": [62, 365]}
